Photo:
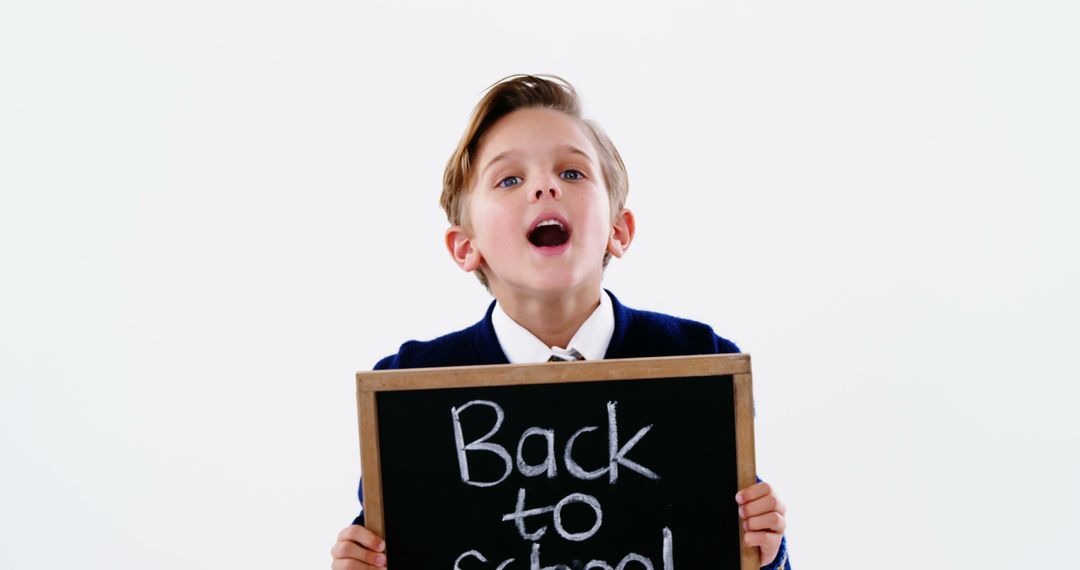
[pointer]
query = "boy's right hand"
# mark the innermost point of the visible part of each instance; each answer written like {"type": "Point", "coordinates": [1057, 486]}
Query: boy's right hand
{"type": "Point", "coordinates": [358, 548]}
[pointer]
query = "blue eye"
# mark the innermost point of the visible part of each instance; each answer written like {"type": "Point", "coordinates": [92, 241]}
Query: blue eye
{"type": "Point", "coordinates": [515, 180]}
{"type": "Point", "coordinates": [577, 175]}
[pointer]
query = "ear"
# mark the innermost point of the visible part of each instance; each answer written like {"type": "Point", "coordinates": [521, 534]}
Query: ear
{"type": "Point", "coordinates": [461, 248]}
{"type": "Point", "coordinates": [622, 233]}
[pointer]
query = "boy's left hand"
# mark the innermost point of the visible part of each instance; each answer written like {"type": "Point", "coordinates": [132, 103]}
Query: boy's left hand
{"type": "Point", "coordinates": [762, 514]}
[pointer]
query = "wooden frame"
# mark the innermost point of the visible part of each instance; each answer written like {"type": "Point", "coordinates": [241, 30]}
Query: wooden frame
{"type": "Point", "coordinates": [368, 384]}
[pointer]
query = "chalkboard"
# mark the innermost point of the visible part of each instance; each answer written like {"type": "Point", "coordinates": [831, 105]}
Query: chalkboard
{"type": "Point", "coordinates": [603, 465]}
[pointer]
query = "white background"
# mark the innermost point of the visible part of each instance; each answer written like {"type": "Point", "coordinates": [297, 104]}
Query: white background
{"type": "Point", "coordinates": [215, 212]}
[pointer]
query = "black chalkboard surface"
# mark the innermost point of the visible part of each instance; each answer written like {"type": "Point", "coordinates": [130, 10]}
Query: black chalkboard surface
{"type": "Point", "coordinates": [604, 465]}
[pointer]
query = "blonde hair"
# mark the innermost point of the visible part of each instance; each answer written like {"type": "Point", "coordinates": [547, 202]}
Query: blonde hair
{"type": "Point", "coordinates": [523, 92]}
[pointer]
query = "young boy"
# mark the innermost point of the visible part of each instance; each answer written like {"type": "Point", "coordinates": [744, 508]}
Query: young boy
{"type": "Point", "coordinates": [534, 194]}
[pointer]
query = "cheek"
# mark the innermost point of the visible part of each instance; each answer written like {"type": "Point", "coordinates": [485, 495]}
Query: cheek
{"type": "Point", "coordinates": [598, 219]}
{"type": "Point", "coordinates": [494, 234]}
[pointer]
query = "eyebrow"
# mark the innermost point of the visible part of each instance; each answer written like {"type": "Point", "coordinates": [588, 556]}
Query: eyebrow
{"type": "Point", "coordinates": [512, 153]}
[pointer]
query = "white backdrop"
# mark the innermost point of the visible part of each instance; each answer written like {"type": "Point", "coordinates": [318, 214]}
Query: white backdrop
{"type": "Point", "coordinates": [215, 212]}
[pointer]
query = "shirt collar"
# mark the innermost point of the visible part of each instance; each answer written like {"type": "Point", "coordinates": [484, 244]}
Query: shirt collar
{"type": "Point", "coordinates": [521, 346]}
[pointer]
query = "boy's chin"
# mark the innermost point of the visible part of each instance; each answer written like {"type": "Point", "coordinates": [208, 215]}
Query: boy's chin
{"type": "Point", "coordinates": [554, 283]}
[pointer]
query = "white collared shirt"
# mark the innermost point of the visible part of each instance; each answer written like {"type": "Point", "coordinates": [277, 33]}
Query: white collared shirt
{"type": "Point", "coordinates": [522, 346]}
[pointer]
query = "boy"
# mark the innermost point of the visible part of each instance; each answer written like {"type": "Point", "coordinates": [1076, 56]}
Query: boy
{"type": "Point", "coordinates": [534, 194]}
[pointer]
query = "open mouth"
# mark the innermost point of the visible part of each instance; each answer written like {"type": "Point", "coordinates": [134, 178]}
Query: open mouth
{"type": "Point", "coordinates": [551, 232]}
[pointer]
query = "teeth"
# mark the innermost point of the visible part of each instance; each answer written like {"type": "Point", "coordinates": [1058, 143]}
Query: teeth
{"type": "Point", "coordinates": [549, 223]}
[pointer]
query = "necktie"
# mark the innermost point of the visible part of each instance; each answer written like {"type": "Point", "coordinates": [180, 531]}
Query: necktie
{"type": "Point", "coordinates": [574, 353]}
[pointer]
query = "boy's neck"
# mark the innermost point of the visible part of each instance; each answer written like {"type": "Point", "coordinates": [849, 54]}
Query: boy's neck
{"type": "Point", "coordinates": [553, 320]}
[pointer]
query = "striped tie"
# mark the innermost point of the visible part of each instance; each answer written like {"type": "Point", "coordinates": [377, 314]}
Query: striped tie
{"type": "Point", "coordinates": [574, 353]}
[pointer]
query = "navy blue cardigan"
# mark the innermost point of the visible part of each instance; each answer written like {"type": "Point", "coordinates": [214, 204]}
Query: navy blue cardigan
{"type": "Point", "coordinates": [638, 334]}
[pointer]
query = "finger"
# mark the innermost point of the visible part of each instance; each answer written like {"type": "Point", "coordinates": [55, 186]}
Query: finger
{"type": "Point", "coordinates": [342, 564]}
{"type": "Point", "coordinates": [349, 550]}
{"type": "Point", "coordinates": [755, 491]}
{"type": "Point", "coordinates": [768, 542]}
{"type": "Point", "coordinates": [766, 504]}
{"type": "Point", "coordinates": [363, 537]}
{"type": "Point", "coordinates": [773, 522]}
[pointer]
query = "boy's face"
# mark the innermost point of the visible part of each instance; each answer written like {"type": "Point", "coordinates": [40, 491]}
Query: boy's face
{"type": "Point", "coordinates": [537, 217]}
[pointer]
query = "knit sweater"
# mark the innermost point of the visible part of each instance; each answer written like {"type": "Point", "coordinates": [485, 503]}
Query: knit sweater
{"type": "Point", "coordinates": [638, 334]}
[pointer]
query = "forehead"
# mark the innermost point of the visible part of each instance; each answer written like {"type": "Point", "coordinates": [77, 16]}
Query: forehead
{"type": "Point", "coordinates": [532, 132]}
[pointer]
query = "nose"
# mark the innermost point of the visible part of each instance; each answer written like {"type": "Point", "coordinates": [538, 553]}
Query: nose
{"type": "Point", "coordinates": [552, 191]}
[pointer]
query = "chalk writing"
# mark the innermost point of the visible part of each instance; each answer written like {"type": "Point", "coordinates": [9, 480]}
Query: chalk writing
{"type": "Point", "coordinates": [616, 456]}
